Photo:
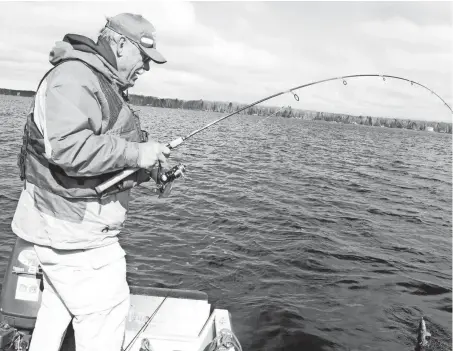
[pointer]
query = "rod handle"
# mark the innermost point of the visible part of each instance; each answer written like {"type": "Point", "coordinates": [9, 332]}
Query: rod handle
{"type": "Point", "coordinates": [175, 143]}
{"type": "Point", "coordinates": [115, 179]}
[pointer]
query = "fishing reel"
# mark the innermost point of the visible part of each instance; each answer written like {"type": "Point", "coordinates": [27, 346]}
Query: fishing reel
{"type": "Point", "coordinates": [165, 178]}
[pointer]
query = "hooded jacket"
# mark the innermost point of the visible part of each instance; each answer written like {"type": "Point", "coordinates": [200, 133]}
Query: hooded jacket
{"type": "Point", "coordinates": [79, 132]}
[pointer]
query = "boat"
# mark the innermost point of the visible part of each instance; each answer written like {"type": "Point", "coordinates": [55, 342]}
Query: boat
{"type": "Point", "coordinates": [159, 319]}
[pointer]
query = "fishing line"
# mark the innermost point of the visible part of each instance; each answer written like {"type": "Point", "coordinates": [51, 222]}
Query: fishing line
{"type": "Point", "coordinates": [274, 114]}
{"type": "Point", "coordinates": [175, 143]}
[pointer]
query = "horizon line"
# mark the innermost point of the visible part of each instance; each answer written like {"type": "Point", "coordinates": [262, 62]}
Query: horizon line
{"type": "Point", "coordinates": [240, 103]}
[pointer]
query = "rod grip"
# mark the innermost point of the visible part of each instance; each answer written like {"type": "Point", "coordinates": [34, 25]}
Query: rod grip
{"type": "Point", "coordinates": [175, 143]}
{"type": "Point", "coordinates": [115, 179]}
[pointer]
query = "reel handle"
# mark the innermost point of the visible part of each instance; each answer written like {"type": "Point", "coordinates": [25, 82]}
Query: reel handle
{"type": "Point", "coordinates": [127, 172]}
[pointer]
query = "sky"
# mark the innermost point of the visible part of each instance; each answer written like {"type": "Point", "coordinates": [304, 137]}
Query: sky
{"type": "Point", "coordinates": [244, 51]}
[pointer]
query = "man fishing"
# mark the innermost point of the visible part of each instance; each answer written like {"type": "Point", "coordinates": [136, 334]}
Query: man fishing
{"type": "Point", "coordinates": [79, 132]}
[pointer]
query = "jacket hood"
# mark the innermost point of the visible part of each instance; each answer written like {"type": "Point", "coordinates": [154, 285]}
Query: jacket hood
{"type": "Point", "coordinates": [99, 56]}
{"type": "Point", "coordinates": [102, 48]}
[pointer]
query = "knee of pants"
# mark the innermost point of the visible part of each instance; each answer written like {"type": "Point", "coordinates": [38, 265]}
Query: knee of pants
{"type": "Point", "coordinates": [50, 329]}
{"type": "Point", "coordinates": [52, 313]}
{"type": "Point", "coordinates": [102, 330]}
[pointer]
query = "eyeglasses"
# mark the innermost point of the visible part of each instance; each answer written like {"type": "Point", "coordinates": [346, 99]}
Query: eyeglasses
{"type": "Point", "coordinates": [145, 57]}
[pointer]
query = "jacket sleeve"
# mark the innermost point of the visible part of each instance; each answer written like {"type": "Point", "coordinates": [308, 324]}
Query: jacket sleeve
{"type": "Point", "coordinates": [72, 118]}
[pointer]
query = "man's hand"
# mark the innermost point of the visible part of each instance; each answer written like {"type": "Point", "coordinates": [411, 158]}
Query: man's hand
{"type": "Point", "coordinates": [150, 153]}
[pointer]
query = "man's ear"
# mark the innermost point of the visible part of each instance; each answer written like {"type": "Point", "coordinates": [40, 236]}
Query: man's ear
{"type": "Point", "coordinates": [120, 46]}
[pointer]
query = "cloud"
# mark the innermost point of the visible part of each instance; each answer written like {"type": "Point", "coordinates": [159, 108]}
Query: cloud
{"type": "Point", "coordinates": [243, 51]}
{"type": "Point", "coordinates": [173, 77]}
{"type": "Point", "coordinates": [207, 46]}
{"type": "Point", "coordinates": [425, 61]}
{"type": "Point", "coordinates": [401, 29]}
{"type": "Point", "coordinates": [236, 54]}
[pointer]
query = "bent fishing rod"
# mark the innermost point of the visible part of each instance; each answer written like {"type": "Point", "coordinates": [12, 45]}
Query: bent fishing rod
{"type": "Point", "coordinates": [177, 171]}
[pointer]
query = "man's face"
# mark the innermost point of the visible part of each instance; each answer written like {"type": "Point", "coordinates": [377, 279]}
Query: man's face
{"type": "Point", "coordinates": [131, 61]}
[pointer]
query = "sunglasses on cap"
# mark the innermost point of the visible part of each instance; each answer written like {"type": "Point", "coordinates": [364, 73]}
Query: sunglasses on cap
{"type": "Point", "coordinates": [146, 42]}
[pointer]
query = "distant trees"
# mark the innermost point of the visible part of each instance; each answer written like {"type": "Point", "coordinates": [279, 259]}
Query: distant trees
{"type": "Point", "coordinates": [27, 93]}
{"type": "Point", "coordinates": [287, 112]}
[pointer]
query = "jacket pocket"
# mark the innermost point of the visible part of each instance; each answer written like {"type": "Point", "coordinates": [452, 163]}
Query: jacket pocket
{"type": "Point", "coordinates": [107, 214]}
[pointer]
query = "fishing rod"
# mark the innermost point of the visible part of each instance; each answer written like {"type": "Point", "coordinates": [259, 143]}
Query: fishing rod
{"type": "Point", "coordinates": [145, 325]}
{"type": "Point", "coordinates": [168, 177]}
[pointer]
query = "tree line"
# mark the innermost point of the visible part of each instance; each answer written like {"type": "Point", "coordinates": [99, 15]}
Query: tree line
{"type": "Point", "coordinates": [288, 112]}
{"type": "Point", "coordinates": [27, 93]}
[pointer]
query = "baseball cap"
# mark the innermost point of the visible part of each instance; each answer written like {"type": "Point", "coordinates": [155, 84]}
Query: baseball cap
{"type": "Point", "coordinates": [139, 30]}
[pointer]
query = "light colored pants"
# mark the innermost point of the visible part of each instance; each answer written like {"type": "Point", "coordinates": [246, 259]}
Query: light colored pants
{"type": "Point", "coordinates": [88, 287]}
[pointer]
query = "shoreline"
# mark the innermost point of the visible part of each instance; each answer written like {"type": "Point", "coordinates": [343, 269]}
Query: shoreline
{"type": "Point", "coordinates": [230, 107]}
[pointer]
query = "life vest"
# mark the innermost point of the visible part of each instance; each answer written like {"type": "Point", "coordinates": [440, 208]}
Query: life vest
{"type": "Point", "coordinates": [117, 119]}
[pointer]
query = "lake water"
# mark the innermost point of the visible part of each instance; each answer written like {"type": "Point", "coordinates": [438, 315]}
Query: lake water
{"type": "Point", "coordinates": [314, 235]}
